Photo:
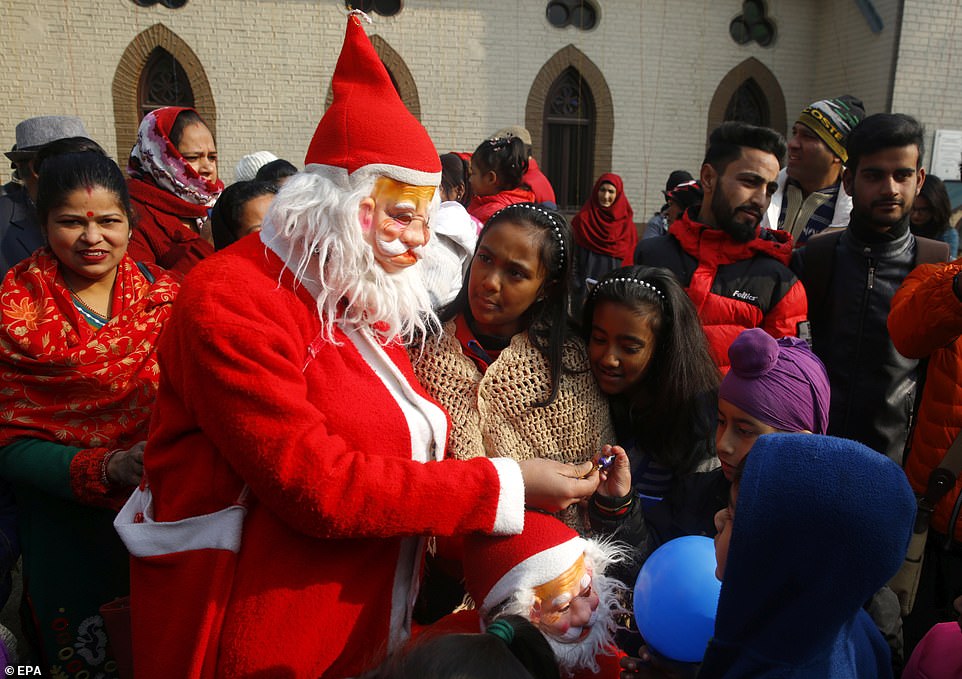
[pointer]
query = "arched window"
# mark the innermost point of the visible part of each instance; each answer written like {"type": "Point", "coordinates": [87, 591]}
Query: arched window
{"type": "Point", "coordinates": [749, 105]}
{"type": "Point", "coordinates": [158, 69]}
{"type": "Point", "coordinates": [749, 92]}
{"type": "Point", "coordinates": [569, 139]}
{"type": "Point", "coordinates": [163, 83]}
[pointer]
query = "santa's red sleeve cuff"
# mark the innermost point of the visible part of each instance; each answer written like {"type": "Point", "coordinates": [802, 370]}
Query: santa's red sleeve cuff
{"type": "Point", "coordinates": [509, 519]}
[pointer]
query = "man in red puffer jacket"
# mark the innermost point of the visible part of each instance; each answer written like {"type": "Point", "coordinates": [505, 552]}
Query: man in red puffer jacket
{"type": "Point", "coordinates": [736, 273]}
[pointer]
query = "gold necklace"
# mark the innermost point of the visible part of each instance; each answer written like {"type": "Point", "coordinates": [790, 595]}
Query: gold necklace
{"type": "Point", "coordinates": [74, 295]}
{"type": "Point", "coordinates": [80, 301]}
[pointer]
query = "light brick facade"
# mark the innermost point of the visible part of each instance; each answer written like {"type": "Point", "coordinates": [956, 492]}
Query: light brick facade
{"type": "Point", "coordinates": [474, 67]}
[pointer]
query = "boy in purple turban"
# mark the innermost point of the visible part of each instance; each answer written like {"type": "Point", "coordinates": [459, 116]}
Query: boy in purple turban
{"type": "Point", "coordinates": [773, 386]}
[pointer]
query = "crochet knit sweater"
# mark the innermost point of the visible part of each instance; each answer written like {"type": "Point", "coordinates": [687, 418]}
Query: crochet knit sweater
{"type": "Point", "coordinates": [492, 414]}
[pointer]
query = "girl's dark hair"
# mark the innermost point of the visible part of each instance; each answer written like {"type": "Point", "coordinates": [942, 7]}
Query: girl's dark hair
{"type": "Point", "coordinates": [185, 119]}
{"type": "Point", "coordinates": [518, 650]}
{"type": "Point", "coordinates": [547, 319]}
{"type": "Point", "coordinates": [675, 395]}
{"type": "Point", "coordinates": [933, 190]}
{"type": "Point", "coordinates": [65, 173]}
{"type": "Point", "coordinates": [65, 145]}
{"type": "Point", "coordinates": [454, 173]}
{"type": "Point", "coordinates": [506, 156]}
{"type": "Point", "coordinates": [275, 171]}
{"type": "Point", "coordinates": [226, 213]}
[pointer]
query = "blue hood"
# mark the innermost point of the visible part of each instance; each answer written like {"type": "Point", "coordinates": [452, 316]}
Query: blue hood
{"type": "Point", "coordinates": [821, 524]}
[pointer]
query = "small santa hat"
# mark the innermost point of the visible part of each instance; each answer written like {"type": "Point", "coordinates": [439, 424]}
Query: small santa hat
{"type": "Point", "coordinates": [495, 567]}
{"type": "Point", "coordinates": [367, 130]}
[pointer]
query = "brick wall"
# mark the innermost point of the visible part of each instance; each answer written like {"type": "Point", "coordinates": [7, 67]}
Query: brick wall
{"type": "Point", "coordinates": [269, 64]}
{"type": "Point", "coordinates": [928, 82]}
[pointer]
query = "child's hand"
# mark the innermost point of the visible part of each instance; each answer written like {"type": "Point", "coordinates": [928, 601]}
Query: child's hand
{"type": "Point", "coordinates": [616, 477]}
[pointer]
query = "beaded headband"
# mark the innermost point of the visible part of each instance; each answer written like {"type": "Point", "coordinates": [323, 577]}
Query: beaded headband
{"type": "Point", "coordinates": [555, 225]}
{"type": "Point", "coordinates": [503, 630]}
{"type": "Point", "coordinates": [625, 279]}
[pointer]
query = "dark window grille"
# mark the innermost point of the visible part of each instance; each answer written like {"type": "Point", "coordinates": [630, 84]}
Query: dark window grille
{"type": "Point", "coordinates": [569, 139]}
{"type": "Point", "coordinates": [387, 8]}
{"type": "Point", "coordinates": [749, 105]}
{"type": "Point", "coordinates": [163, 83]}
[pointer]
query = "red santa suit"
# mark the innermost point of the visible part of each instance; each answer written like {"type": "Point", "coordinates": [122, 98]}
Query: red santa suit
{"type": "Point", "coordinates": [335, 445]}
{"type": "Point", "coordinates": [322, 578]}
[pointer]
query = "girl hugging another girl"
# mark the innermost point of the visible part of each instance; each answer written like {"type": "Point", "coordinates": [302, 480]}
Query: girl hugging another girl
{"type": "Point", "coordinates": [650, 357]}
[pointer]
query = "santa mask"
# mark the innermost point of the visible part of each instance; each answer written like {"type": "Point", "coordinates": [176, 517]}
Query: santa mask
{"type": "Point", "coordinates": [395, 222]}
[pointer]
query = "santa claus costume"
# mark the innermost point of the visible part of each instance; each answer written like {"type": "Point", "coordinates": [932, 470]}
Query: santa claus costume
{"type": "Point", "coordinates": [285, 390]}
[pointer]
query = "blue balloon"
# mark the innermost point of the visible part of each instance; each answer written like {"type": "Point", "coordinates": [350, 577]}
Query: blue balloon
{"type": "Point", "coordinates": [676, 597]}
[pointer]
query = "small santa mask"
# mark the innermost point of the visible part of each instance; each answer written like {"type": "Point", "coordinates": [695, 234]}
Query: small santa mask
{"type": "Point", "coordinates": [565, 607]}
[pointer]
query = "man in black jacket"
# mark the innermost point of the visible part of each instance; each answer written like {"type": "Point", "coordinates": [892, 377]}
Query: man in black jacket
{"type": "Point", "coordinates": [851, 275]}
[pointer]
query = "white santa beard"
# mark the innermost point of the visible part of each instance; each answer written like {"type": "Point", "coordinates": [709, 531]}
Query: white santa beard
{"type": "Point", "coordinates": [397, 300]}
{"type": "Point", "coordinates": [313, 226]}
{"type": "Point", "coordinates": [389, 248]}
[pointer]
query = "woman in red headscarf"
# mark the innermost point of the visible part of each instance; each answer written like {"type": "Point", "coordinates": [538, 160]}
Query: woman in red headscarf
{"type": "Point", "coordinates": [605, 233]}
{"type": "Point", "coordinates": [173, 181]}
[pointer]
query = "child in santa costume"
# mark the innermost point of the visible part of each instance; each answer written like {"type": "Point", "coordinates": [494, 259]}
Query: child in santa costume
{"type": "Point", "coordinates": [286, 394]}
{"type": "Point", "coordinates": [554, 578]}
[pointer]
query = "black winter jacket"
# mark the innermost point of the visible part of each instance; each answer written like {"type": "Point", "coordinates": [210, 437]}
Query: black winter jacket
{"type": "Point", "coordinates": [873, 385]}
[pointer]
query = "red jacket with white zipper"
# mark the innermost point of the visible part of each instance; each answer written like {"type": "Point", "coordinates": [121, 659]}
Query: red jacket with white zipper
{"type": "Point", "coordinates": [734, 286]}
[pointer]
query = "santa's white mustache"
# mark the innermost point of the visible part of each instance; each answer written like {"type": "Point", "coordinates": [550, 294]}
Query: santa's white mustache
{"type": "Point", "coordinates": [574, 633]}
{"type": "Point", "coordinates": [395, 247]}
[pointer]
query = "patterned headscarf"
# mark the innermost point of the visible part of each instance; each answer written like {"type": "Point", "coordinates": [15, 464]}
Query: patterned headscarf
{"type": "Point", "coordinates": [155, 159]}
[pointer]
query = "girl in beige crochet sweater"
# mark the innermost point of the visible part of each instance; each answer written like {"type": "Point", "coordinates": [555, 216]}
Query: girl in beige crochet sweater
{"type": "Point", "coordinates": [507, 366]}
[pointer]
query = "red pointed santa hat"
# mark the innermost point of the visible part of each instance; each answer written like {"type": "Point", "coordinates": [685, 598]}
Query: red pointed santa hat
{"type": "Point", "coordinates": [368, 130]}
{"type": "Point", "coordinates": [496, 567]}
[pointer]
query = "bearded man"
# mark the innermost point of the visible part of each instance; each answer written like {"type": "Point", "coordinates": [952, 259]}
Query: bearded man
{"type": "Point", "coordinates": [556, 579]}
{"type": "Point", "coordinates": [735, 272]}
{"type": "Point", "coordinates": [286, 390]}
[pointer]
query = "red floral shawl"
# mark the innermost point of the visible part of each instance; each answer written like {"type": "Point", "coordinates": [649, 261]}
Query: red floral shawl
{"type": "Point", "coordinates": [607, 230]}
{"type": "Point", "coordinates": [62, 380]}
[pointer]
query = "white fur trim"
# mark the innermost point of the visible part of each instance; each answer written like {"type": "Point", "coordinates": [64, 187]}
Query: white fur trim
{"type": "Point", "coordinates": [509, 518]}
{"type": "Point", "coordinates": [220, 530]}
{"type": "Point", "coordinates": [404, 175]}
{"type": "Point", "coordinates": [427, 424]}
{"type": "Point", "coordinates": [536, 570]}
